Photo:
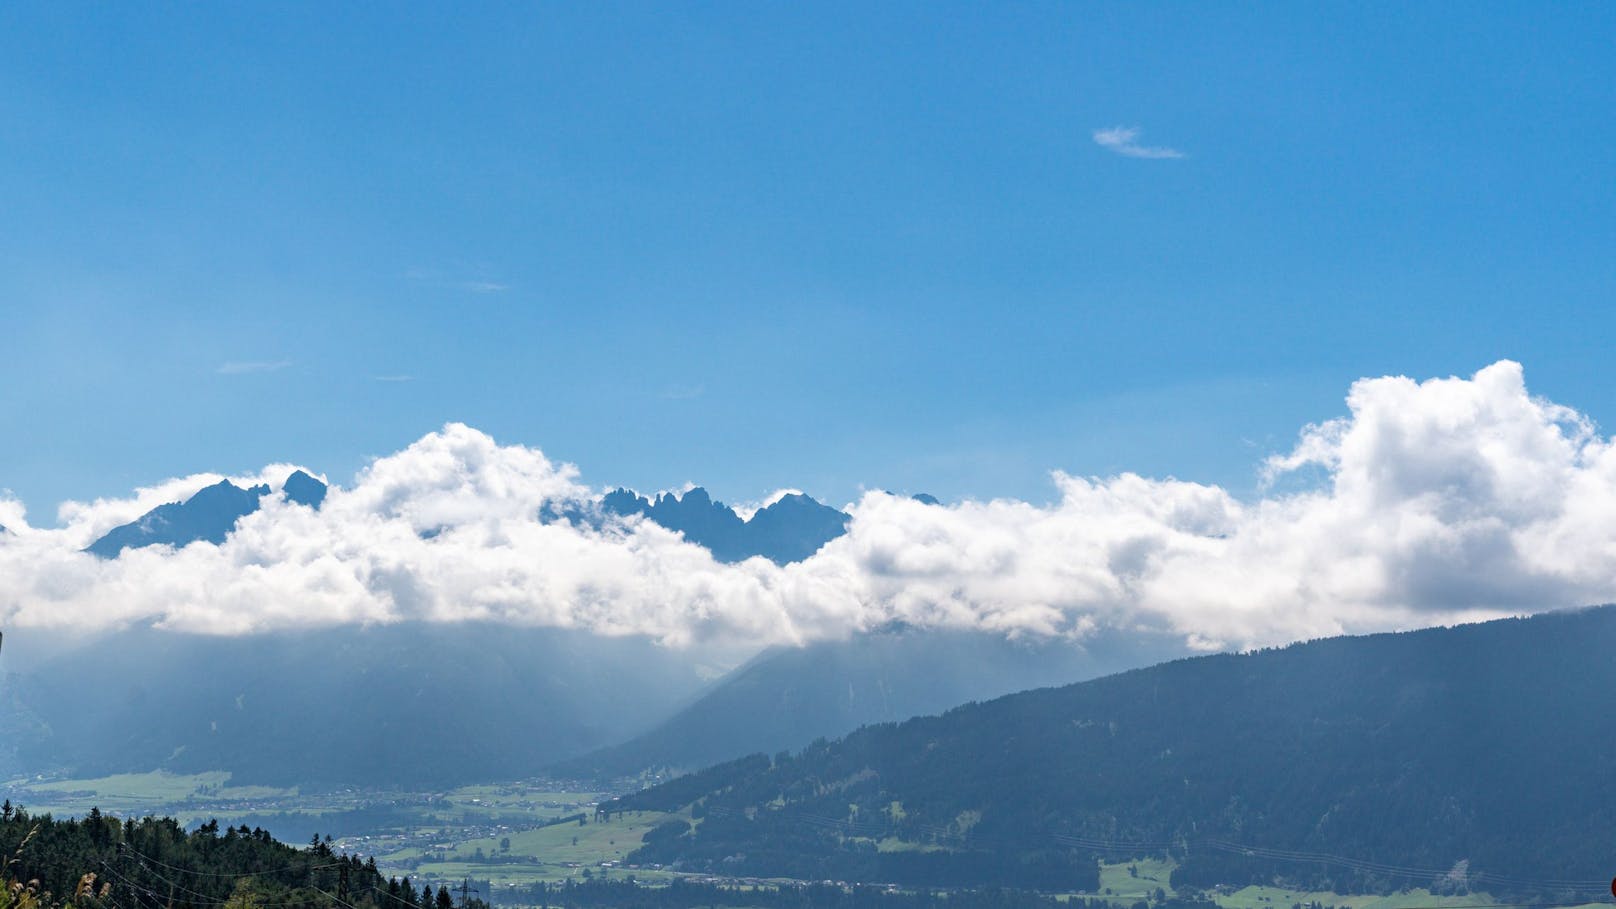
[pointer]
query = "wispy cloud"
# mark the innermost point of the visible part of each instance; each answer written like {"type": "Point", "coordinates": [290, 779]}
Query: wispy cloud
{"type": "Point", "coordinates": [472, 280]}
{"type": "Point", "coordinates": [682, 392]}
{"type": "Point", "coordinates": [398, 378]}
{"type": "Point", "coordinates": [1124, 141]}
{"type": "Point", "coordinates": [241, 367]}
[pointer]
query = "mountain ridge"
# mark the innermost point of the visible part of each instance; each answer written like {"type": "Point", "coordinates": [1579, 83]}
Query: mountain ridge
{"type": "Point", "coordinates": [790, 529]}
{"type": "Point", "coordinates": [786, 697]}
{"type": "Point", "coordinates": [207, 515]}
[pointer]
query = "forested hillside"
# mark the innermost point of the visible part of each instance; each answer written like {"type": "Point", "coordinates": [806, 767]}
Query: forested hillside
{"type": "Point", "coordinates": [1476, 757]}
{"type": "Point", "coordinates": [100, 862]}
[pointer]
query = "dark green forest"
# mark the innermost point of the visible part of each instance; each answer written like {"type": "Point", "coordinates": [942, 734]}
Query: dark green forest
{"type": "Point", "coordinates": [101, 862]}
{"type": "Point", "coordinates": [1479, 757]}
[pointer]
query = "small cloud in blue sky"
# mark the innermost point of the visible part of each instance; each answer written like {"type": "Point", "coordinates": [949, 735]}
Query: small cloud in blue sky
{"type": "Point", "coordinates": [242, 367]}
{"type": "Point", "coordinates": [683, 392]}
{"type": "Point", "coordinates": [477, 283]}
{"type": "Point", "coordinates": [1124, 141]}
{"type": "Point", "coordinates": [395, 378]}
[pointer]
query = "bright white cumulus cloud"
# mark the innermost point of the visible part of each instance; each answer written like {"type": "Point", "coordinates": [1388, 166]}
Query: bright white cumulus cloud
{"type": "Point", "coordinates": [1429, 502]}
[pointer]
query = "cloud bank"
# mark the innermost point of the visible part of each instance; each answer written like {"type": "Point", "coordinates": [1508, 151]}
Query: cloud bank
{"type": "Point", "coordinates": [1433, 502]}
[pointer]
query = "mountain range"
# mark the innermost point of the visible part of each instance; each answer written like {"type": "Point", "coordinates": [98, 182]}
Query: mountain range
{"type": "Point", "coordinates": [1479, 757]}
{"type": "Point", "coordinates": [790, 529]}
{"type": "Point", "coordinates": [565, 700]}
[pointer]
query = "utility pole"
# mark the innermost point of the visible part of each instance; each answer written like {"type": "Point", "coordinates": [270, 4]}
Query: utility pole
{"type": "Point", "coordinates": [465, 888]}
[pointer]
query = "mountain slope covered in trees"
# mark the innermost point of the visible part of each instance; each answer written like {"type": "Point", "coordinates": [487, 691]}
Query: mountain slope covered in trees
{"type": "Point", "coordinates": [1480, 756]}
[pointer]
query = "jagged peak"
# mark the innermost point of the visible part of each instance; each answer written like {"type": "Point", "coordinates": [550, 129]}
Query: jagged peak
{"type": "Point", "coordinates": [304, 489]}
{"type": "Point", "coordinates": [698, 495]}
{"type": "Point", "coordinates": [209, 514]}
{"type": "Point", "coordinates": [789, 529]}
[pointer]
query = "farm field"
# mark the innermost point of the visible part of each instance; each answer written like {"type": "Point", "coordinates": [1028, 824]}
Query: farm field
{"type": "Point", "coordinates": [1118, 882]}
{"type": "Point", "coordinates": [185, 796]}
{"type": "Point", "coordinates": [429, 835]}
{"type": "Point", "coordinates": [592, 841]}
{"type": "Point", "coordinates": [503, 852]}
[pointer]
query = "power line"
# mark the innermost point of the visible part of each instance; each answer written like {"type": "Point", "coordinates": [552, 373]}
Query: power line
{"type": "Point", "coordinates": [194, 897]}
{"type": "Point", "coordinates": [397, 899]}
{"type": "Point", "coordinates": [125, 847]}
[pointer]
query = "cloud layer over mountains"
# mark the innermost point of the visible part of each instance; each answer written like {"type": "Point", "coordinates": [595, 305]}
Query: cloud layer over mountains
{"type": "Point", "coordinates": [1429, 502]}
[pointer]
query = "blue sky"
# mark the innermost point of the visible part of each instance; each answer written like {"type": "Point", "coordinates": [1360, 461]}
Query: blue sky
{"type": "Point", "coordinates": [764, 245]}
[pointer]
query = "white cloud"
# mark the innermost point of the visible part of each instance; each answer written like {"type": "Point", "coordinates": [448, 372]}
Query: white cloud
{"type": "Point", "coordinates": [1124, 141]}
{"type": "Point", "coordinates": [457, 278]}
{"type": "Point", "coordinates": [12, 512]}
{"type": "Point", "coordinates": [682, 392]}
{"type": "Point", "coordinates": [236, 368]}
{"type": "Point", "coordinates": [1444, 500]}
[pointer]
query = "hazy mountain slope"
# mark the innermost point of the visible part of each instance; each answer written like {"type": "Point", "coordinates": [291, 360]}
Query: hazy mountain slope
{"type": "Point", "coordinates": [1491, 744]}
{"type": "Point", "coordinates": [788, 530]}
{"type": "Point", "coordinates": [787, 697]}
{"type": "Point", "coordinates": [403, 705]}
{"type": "Point", "coordinates": [208, 515]}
